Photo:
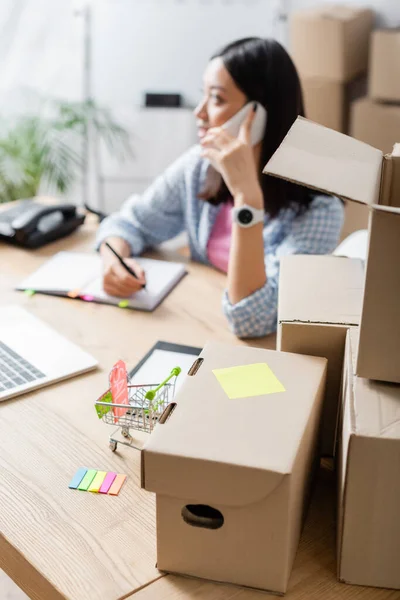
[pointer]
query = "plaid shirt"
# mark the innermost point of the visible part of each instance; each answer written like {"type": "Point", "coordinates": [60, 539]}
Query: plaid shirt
{"type": "Point", "coordinates": [171, 205]}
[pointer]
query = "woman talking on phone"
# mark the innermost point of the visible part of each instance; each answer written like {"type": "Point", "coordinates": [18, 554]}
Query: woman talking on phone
{"type": "Point", "coordinates": [237, 219]}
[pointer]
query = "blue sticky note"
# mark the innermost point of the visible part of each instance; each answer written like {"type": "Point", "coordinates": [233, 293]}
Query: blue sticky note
{"type": "Point", "coordinates": [77, 478]}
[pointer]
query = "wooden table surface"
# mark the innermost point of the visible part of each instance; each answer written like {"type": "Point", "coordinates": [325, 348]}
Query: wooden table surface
{"type": "Point", "coordinates": [56, 543]}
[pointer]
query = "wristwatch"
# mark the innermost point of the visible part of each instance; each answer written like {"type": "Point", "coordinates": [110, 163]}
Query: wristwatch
{"type": "Point", "coordinates": [247, 216]}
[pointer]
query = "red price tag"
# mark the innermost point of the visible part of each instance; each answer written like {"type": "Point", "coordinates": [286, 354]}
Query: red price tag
{"type": "Point", "coordinates": [119, 388]}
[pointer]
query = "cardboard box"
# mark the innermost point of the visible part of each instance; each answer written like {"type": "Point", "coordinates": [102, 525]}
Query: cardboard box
{"type": "Point", "coordinates": [319, 298]}
{"type": "Point", "coordinates": [331, 41]}
{"type": "Point", "coordinates": [375, 124]}
{"type": "Point", "coordinates": [328, 102]}
{"type": "Point", "coordinates": [369, 480]}
{"type": "Point", "coordinates": [384, 65]}
{"type": "Point", "coordinates": [326, 160]}
{"type": "Point", "coordinates": [324, 101]}
{"type": "Point", "coordinates": [233, 474]}
{"type": "Point", "coordinates": [355, 218]}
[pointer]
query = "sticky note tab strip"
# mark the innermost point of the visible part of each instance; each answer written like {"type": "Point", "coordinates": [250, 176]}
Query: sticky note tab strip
{"type": "Point", "coordinates": [123, 303]}
{"type": "Point", "coordinates": [248, 380]}
{"type": "Point", "coordinates": [117, 485]}
{"type": "Point", "coordinates": [103, 482]}
{"type": "Point", "coordinates": [87, 480]}
{"type": "Point", "coordinates": [97, 482]}
{"type": "Point", "coordinates": [77, 478]}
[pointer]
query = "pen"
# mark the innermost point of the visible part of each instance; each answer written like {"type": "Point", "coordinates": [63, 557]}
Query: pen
{"type": "Point", "coordinates": [123, 263]}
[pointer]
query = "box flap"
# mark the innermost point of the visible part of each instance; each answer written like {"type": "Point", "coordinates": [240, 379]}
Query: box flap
{"type": "Point", "coordinates": [377, 408]}
{"type": "Point", "coordinates": [329, 161]}
{"type": "Point", "coordinates": [214, 449]}
{"type": "Point", "coordinates": [320, 289]}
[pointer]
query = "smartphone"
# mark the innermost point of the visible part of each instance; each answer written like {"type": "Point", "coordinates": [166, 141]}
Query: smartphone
{"type": "Point", "coordinates": [232, 126]}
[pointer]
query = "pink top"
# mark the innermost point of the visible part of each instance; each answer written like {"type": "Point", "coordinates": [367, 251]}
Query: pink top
{"type": "Point", "coordinates": [219, 242]}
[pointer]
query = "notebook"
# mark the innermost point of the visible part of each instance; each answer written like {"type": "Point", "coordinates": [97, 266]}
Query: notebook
{"type": "Point", "coordinates": [79, 275]}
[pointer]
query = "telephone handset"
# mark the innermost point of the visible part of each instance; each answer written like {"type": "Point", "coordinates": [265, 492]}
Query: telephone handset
{"type": "Point", "coordinates": [32, 224]}
{"type": "Point", "coordinates": [258, 126]}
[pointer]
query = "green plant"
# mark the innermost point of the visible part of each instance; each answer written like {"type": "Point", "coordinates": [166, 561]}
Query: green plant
{"type": "Point", "coordinates": [46, 151]}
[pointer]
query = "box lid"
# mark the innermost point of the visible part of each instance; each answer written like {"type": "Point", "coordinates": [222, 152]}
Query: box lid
{"type": "Point", "coordinates": [328, 161]}
{"type": "Point", "coordinates": [232, 451]}
{"type": "Point", "coordinates": [337, 299]}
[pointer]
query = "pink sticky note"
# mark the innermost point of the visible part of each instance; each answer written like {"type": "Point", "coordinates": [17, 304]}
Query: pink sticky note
{"type": "Point", "coordinates": [87, 298]}
{"type": "Point", "coordinates": [107, 483]}
{"type": "Point", "coordinates": [119, 388]}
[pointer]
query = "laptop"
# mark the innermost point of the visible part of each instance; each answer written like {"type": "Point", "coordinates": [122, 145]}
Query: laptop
{"type": "Point", "coordinates": [32, 355]}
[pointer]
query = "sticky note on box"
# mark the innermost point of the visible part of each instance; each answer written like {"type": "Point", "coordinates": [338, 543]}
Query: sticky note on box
{"type": "Point", "coordinates": [248, 380]}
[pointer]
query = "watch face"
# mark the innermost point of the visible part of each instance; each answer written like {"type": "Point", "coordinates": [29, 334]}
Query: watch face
{"type": "Point", "coordinates": [245, 216]}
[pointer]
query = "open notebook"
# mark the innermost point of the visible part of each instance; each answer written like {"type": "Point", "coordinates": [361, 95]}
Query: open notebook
{"type": "Point", "coordinates": [79, 275]}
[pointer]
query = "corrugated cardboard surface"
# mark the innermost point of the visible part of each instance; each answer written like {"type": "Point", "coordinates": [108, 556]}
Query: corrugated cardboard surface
{"type": "Point", "coordinates": [249, 458]}
{"type": "Point", "coordinates": [320, 289]}
{"type": "Point", "coordinates": [327, 160]}
{"type": "Point", "coordinates": [355, 217]}
{"type": "Point", "coordinates": [375, 124]}
{"type": "Point", "coordinates": [369, 482]}
{"type": "Point", "coordinates": [319, 298]}
{"type": "Point", "coordinates": [384, 70]}
{"type": "Point", "coordinates": [380, 327]}
{"type": "Point", "coordinates": [328, 102]}
{"type": "Point", "coordinates": [331, 41]}
{"type": "Point", "coordinates": [324, 101]}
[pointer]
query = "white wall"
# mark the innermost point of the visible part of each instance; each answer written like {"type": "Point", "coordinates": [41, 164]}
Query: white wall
{"type": "Point", "coordinates": [163, 45]}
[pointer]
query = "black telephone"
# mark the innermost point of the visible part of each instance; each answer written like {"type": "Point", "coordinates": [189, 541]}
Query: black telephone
{"type": "Point", "coordinates": [31, 224]}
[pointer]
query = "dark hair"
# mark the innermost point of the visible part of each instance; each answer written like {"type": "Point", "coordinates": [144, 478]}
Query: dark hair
{"type": "Point", "coordinates": [264, 72]}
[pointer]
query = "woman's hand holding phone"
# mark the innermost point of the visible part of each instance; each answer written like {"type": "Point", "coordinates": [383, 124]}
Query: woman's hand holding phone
{"type": "Point", "coordinates": [234, 158]}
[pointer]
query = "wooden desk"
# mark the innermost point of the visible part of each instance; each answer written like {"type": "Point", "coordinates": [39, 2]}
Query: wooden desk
{"type": "Point", "coordinates": [60, 544]}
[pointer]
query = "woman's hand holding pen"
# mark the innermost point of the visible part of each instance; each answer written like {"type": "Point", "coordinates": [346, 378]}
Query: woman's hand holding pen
{"type": "Point", "coordinates": [117, 281]}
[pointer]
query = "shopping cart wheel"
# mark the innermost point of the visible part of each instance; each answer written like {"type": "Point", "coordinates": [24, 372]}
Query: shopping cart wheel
{"type": "Point", "coordinates": [113, 446]}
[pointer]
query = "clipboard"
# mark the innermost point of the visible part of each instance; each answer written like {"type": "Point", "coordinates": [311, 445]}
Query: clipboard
{"type": "Point", "coordinates": [180, 356]}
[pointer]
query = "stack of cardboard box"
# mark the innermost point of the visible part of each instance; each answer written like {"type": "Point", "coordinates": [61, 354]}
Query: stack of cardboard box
{"type": "Point", "coordinates": [333, 307]}
{"type": "Point", "coordinates": [329, 46]}
{"type": "Point", "coordinates": [376, 119]}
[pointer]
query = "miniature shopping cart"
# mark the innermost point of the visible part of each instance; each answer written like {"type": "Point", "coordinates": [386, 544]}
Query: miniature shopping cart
{"type": "Point", "coordinates": [140, 410]}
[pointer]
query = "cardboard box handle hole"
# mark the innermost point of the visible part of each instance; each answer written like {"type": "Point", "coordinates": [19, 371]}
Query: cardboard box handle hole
{"type": "Point", "coordinates": [201, 515]}
{"type": "Point", "coordinates": [167, 413]}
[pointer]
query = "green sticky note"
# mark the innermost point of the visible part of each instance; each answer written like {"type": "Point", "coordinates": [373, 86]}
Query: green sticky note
{"type": "Point", "coordinates": [123, 303]}
{"type": "Point", "coordinates": [29, 292]}
{"type": "Point", "coordinates": [87, 480]}
{"type": "Point", "coordinates": [103, 410]}
{"type": "Point", "coordinates": [248, 380]}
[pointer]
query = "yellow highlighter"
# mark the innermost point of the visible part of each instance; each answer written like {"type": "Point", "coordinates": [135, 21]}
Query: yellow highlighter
{"type": "Point", "coordinates": [97, 482]}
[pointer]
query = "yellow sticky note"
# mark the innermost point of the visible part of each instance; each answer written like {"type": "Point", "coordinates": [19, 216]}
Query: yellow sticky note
{"type": "Point", "coordinates": [97, 482]}
{"type": "Point", "coordinates": [123, 303]}
{"type": "Point", "coordinates": [248, 380]}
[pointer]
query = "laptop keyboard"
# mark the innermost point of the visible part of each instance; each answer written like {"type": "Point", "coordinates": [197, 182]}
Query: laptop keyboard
{"type": "Point", "coordinates": [15, 370]}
